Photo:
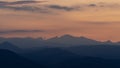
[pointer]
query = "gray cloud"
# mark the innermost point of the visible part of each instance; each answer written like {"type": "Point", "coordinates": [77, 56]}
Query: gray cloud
{"type": "Point", "coordinates": [92, 5]}
{"type": "Point", "coordinates": [25, 8]}
{"type": "Point", "coordinates": [51, 7]}
{"type": "Point", "coordinates": [66, 8]}
{"type": "Point", "coordinates": [80, 7]}
{"type": "Point", "coordinates": [20, 31]}
{"type": "Point", "coordinates": [3, 3]}
{"type": "Point", "coordinates": [14, 6]}
{"type": "Point", "coordinates": [41, 9]}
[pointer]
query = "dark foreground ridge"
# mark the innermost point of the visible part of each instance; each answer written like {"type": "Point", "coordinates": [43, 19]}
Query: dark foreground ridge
{"type": "Point", "coordinates": [9, 59]}
{"type": "Point", "coordinates": [53, 58]}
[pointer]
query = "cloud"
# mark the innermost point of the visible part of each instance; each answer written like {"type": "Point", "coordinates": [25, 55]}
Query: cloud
{"type": "Point", "coordinates": [85, 7]}
{"type": "Point", "coordinates": [97, 23]}
{"type": "Point", "coordinates": [41, 9]}
{"type": "Point", "coordinates": [3, 3]}
{"type": "Point", "coordinates": [92, 5]}
{"type": "Point", "coordinates": [49, 8]}
{"type": "Point", "coordinates": [26, 8]}
{"type": "Point", "coordinates": [20, 31]}
{"type": "Point", "coordinates": [66, 8]}
{"type": "Point", "coordinates": [21, 7]}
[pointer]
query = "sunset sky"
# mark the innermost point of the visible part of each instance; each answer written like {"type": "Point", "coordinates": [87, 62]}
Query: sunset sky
{"type": "Point", "coordinates": [96, 19]}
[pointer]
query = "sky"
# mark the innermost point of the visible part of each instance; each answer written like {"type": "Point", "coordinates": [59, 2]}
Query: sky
{"type": "Point", "coordinates": [96, 19]}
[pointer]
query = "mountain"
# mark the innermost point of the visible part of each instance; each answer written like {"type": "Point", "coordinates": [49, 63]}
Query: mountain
{"type": "Point", "coordinates": [109, 42]}
{"type": "Point", "coordinates": [89, 62]}
{"type": "Point", "coordinates": [24, 42]}
{"type": "Point", "coordinates": [60, 58]}
{"type": "Point", "coordinates": [62, 41]}
{"type": "Point", "coordinates": [9, 46]}
{"type": "Point", "coordinates": [71, 40]}
{"type": "Point", "coordinates": [103, 51]}
{"type": "Point", "coordinates": [50, 55]}
{"type": "Point", "coordinates": [9, 59]}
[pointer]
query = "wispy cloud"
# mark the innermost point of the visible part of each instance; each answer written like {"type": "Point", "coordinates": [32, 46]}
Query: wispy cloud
{"type": "Point", "coordinates": [47, 8]}
{"type": "Point", "coordinates": [23, 6]}
{"type": "Point", "coordinates": [26, 8]}
{"type": "Point", "coordinates": [3, 3]}
{"type": "Point", "coordinates": [20, 31]}
{"type": "Point", "coordinates": [66, 8]}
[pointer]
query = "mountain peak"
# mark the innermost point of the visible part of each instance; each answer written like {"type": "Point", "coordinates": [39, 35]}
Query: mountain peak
{"type": "Point", "coordinates": [70, 36]}
{"type": "Point", "coordinates": [82, 37]}
{"type": "Point", "coordinates": [108, 41]}
{"type": "Point", "coordinates": [72, 40]}
{"type": "Point", "coordinates": [9, 46]}
{"type": "Point", "coordinates": [67, 36]}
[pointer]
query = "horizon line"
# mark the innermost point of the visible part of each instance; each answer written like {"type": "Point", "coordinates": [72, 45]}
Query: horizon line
{"type": "Point", "coordinates": [44, 38]}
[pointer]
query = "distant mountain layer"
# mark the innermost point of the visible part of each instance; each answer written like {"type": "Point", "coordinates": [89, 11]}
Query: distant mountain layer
{"type": "Point", "coordinates": [53, 58]}
{"type": "Point", "coordinates": [60, 58]}
{"type": "Point", "coordinates": [63, 41]}
{"type": "Point", "coordinates": [9, 46]}
{"type": "Point", "coordinates": [103, 51]}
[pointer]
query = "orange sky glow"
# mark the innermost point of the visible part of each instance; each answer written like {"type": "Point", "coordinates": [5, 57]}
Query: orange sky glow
{"type": "Point", "coordinates": [96, 19]}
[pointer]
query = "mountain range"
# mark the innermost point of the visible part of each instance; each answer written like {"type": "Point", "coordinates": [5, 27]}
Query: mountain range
{"type": "Point", "coordinates": [62, 41]}
{"type": "Point", "coordinates": [98, 56]}
{"type": "Point", "coordinates": [61, 58]}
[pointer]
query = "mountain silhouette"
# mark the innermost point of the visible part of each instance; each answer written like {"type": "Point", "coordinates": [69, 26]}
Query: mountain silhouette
{"type": "Point", "coordinates": [9, 59]}
{"type": "Point", "coordinates": [53, 53]}
{"type": "Point", "coordinates": [50, 56]}
{"type": "Point", "coordinates": [24, 42]}
{"type": "Point", "coordinates": [60, 58]}
{"type": "Point", "coordinates": [62, 41]}
{"type": "Point", "coordinates": [103, 51]}
{"type": "Point", "coordinates": [71, 40]}
{"type": "Point", "coordinates": [9, 46]}
{"type": "Point", "coordinates": [89, 62]}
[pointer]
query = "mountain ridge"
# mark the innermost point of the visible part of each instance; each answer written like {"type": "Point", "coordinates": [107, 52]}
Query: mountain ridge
{"type": "Point", "coordinates": [10, 59]}
{"type": "Point", "coordinates": [9, 46]}
{"type": "Point", "coordinates": [65, 40]}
